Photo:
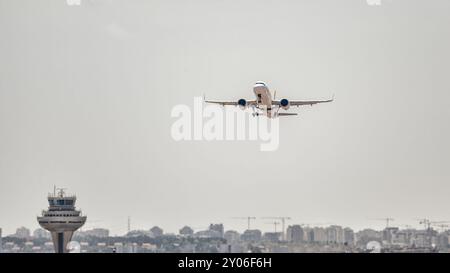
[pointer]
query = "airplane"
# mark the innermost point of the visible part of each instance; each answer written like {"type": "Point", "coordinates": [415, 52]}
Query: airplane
{"type": "Point", "coordinates": [266, 105]}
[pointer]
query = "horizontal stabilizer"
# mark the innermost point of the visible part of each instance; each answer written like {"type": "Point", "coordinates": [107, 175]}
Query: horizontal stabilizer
{"type": "Point", "coordinates": [287, 114]}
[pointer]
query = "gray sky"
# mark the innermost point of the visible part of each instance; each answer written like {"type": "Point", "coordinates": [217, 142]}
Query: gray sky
{"type": "Point", "coordinates": [86, 94]}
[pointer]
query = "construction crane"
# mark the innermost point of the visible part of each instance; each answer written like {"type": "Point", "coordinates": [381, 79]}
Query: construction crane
{"type": "Point", "coordinates": [440, 224]}
{"type": "Point", "coordinates": [283, 221]}
{"type": "Point", "coordinates": [427, 223]}
{"type": "Point", "coordinates": [387, 220]}
{"type": "Point", "coordinates": [443, 227]}
{"type": "Point", "coordinates": [248, 218]}
{"type": "Point", "coordinates": [275, 224]}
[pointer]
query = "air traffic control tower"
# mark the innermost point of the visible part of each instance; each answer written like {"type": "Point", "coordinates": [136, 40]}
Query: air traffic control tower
{"type": "Point", "coordinates": [61, 219]}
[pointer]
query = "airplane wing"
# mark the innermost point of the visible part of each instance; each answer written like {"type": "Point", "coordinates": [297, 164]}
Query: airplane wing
{"type": "Point", "coordinates": [303, 102]}
{"type": "Point", "coordinates": [234, 103]}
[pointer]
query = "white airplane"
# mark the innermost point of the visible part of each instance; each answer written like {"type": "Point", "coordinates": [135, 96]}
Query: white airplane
{"type": "Point", "coordinates": [265, 105]}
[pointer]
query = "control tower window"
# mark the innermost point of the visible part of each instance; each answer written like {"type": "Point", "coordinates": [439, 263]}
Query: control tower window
{"type": "Point", "coordinates": [60, 202]}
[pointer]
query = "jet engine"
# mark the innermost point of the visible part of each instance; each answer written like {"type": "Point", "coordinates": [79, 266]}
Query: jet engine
{"type": "Point", "coordinates": [242, 103]}
{"type": "Point", "coordinates": [284, 103]}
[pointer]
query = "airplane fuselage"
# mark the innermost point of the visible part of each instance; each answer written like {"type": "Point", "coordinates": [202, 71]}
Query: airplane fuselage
{"type": "Point", "coordinates": [263, 99]}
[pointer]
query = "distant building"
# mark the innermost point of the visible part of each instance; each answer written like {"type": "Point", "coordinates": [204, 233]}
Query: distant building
{"type": "Point", "coordinates": [403, 237]}
{"type": "Point", "coordinates": [96, 232]}
{"type": "Point", "coordinates": [389, 235]}
{"type": "Point", "coordinates": [367, 235]}
{"type": "Point", "coordinates": [319, 235]}
{"type": "Point", "coordinates": [308, 234]}
{"type": "Point", "coordinates": [349, 236]}
{"type": "Point", "coordinates": [425, 238]}
{"type": "Point", "coordinates": [421, 239]}
{"type": "Point", "coordinates": [231, 236]}
{"type": "Point", "coordinates": [186, 231]}
{"type": "Point", "coordinates": [139, 233]}
{"type": "Point", "coordinates": [118, 247]}
{"type": "Point", "coordinates": [1, 242]}
{"type": "Point", "coordinates": [208, 234]}
{"type": "Point", "coordinates": [149, 247]}
{"type": "Point", "coordinates": [335, 234]}
{"type": "Point", "coordinates": [295, 234]}
{"type": "Point", "coordinates": [28, 246]}
{"type": "Point", "coordinates": [49, 245]}
{"type": "Point", "coordinates": [131, 248]}
{"type": "Point", "coordinates": [22, 233]}
{"type": "Point", "coordinates": [157, 231]}
{"type": "Point", "coordinates": [251, 235]}
{"type": "Point", "coordinates": [41, 233]}
{"type": "Point", "coordinates": [273, 237]}
{"type": "Point", "coordinates": [218, 228]}
{"type": "Point", "coordinates": [442, 241]}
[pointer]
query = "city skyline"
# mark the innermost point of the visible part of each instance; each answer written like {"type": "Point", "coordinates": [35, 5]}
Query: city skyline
{"type": "Point", "coordinates": [217, 238]}
{"type": "Point", "coordinates": [264, 226]}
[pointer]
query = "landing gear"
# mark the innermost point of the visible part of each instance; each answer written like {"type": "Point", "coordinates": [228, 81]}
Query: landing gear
{"type": "Point", "coordinates": [278, 110]}
{"type": "Point", "coordinates": [254, 114]}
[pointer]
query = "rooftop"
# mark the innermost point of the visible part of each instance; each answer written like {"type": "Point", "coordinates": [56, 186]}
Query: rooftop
{"type": "Point", "coordinates": [60, 193]}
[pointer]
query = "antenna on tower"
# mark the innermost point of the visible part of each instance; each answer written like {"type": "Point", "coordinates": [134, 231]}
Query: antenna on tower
{"type": "Point", "coordinates": [129, 224]}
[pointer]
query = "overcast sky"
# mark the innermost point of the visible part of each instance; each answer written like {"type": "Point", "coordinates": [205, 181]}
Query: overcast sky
{"type": "Point", "coordinates": [86, 94]}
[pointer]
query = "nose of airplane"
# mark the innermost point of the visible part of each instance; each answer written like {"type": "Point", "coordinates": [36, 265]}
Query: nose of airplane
{"type": "Point", "coordinates": [260, 84]}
